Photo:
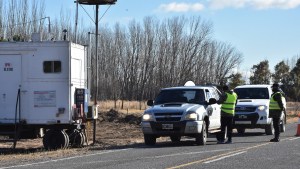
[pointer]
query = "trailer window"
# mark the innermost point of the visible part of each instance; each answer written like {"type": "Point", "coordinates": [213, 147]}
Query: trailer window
{"type": "Point", "coordinates": [52, 66]}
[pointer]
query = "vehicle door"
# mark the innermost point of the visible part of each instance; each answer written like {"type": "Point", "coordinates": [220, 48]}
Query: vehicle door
{"type": "Point", "coordinates": [214, 110]}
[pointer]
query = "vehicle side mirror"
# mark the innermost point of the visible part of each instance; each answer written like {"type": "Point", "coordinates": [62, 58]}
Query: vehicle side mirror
{"type": "Point", "coordinates": [212, 101]}
{"type": "Point", "coordinates": [150, 102]}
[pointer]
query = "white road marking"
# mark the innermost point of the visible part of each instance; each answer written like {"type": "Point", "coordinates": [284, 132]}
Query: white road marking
{"type": "Point", "coordinates": [63, 159]}
{"type": "Point", "coordinates": [188, 153]}
{"type": "Point", "coordinates": [225, 157]}
{"type": "Point", "coordinates": [294, 138]}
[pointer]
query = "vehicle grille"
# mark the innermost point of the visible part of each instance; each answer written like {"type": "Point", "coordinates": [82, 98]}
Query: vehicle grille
{"type": "Point", "coordinates": [253, 117]}
{"type": "Point", "coordinates": [245, 109]}
{"type": "Point", "coordinates": [175, 116]}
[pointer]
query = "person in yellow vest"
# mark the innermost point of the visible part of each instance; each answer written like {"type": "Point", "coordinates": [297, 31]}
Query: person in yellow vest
{"type": "Point", "coordinates": [276, 109]}
{"type": "Point", "coordinates": [228, 101]}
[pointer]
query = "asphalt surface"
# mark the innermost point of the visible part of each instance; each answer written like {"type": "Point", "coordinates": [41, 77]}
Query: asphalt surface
{"type": "Point", "coordinates": [251, 151]}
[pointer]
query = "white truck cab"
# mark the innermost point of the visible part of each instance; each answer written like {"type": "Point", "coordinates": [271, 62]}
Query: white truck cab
{"type": "Point", "coordinates": [182, 111]}
{"type": "Point", "coordinates": [252, 109]}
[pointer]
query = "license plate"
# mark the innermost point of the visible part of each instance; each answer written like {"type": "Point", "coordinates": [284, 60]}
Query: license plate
{"type": "Point", "coordinates": [242, 122]}
{"type": "Point", "coordinates": [167, 126]}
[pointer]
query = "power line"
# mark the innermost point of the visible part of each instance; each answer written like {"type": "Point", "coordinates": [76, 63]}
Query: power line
{"type": "Point", "coordinates": [91, 17]}
{"type": "Point", "coordinates": [105, 12]}
{"type": "Point", "coordinates": [27, 22]}
{"type": "Point", "coordinates": [87, 13]}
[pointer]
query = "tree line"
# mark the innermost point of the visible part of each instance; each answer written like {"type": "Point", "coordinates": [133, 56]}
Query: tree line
{"type": "Point", "coordinates": [287, 74]}
{"type": "Point", "coordinates": [137, 59]}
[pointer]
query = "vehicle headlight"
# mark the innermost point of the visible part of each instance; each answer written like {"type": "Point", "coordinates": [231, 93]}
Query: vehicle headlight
{"type": "Point", "coordinates": [147, 117]}
{"type": "Point", "coordinates": [261, 108]}
{"type": "Point", "coordinates": [191, 116]}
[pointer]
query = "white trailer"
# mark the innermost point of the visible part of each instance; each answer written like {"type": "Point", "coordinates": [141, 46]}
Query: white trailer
{"type": "Point", "coordinates": [43, 87]}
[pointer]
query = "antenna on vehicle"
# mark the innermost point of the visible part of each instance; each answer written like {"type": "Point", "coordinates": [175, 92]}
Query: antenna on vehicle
{"type": "Point", "coordinates": [189, 83]}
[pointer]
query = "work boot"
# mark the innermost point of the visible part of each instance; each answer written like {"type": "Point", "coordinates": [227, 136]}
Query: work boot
{"type": "Point", "coordinates": [228, 142]}
{"type": "Point", "coordinates": [221, 142]}
{"type": "Point", "coordinates": [275, 140]}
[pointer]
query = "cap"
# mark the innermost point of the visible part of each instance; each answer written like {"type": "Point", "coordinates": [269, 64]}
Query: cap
{"type": "Point", "coordinates": [225, 88]}
{"type": "Point", "coordinates": [275, 85]}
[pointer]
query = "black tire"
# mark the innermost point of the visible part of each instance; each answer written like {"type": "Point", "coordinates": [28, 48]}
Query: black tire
{"type": "Point", "coordinates": [269, 129]}
{"type": "Point", "coordinates": [175, 138]}
{"type": "Point", "coordinates": [54, 139]}
{"type": "Point", "coordinates": [77, 139]}
{"type": "Point", "coordinates": [150, 140]}
{"type": "Point", "coordinates": [241, 130]}
{"type": "Point", "coordinates": [202, 137]}
{"type": "Point", "coordinates": [67, 140]}
{"type": "Point", "coordinates": [282, 124]}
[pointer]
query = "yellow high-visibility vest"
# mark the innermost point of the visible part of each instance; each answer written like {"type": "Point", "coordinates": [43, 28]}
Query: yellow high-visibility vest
{"type": "Point", "coordinates": [273, 105]}
{"type": "Point", "coordinates": [229, 105]}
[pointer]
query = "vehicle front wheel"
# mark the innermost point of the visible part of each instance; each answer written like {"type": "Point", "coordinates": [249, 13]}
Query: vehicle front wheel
{"type": "Point", "coordinates": [282, 124]}
{"type": "Point", "coordinates": [175, 138]}
{"type": "Point", "coordinates": [202, 137]}
{"type": "Point", "coordinates": [149, 139]}
{"type": "Point", "coordinates": [241, 130]}
{"type": "Point", "coordinates": [269, 129]}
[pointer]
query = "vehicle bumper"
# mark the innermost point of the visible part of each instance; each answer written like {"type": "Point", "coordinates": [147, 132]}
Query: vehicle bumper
{"type": "Point", "coordinates": [179, 128]}
{"type": "Point", "coordinates": [251, 120]}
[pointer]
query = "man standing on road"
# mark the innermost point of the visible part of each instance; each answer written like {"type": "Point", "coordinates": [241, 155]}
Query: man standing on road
{"type": "Point", "coordinates": [275, 109]}
{"type": "Point", "coordinates": [228, 101]}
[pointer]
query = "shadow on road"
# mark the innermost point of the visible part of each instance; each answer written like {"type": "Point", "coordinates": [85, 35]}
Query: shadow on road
{"type": "Point", "coordinates": [10, 151]}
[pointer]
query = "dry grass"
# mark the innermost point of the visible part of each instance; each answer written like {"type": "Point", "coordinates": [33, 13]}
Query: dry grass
{"type": "Point", "coordinates": [129, 107]}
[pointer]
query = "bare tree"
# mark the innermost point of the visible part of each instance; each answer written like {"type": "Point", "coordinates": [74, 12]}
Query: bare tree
{"type": "Point", "coordinates": [227, 59]}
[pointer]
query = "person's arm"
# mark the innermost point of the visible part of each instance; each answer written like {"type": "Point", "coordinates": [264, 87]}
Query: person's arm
{"type": "Point", "coordinates": [222, 99]}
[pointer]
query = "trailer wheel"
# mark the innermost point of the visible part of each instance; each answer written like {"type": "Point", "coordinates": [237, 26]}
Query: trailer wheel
{"type": "Point", "coordinates": [67, 139]}
{"type": "Point", "coordinates": [77, 138]}
{"type": "Point", "coordinates": [55, 139]}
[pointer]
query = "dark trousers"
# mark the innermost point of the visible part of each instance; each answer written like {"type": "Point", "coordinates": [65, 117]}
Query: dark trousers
{"type": "Point", "coordinates": [226, 121]}
{"type": "Point", "coordinates": [276, 125]}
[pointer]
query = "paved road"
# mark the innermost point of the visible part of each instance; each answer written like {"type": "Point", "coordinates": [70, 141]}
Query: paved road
{"type": "Point", "coordinates": [253, 150]}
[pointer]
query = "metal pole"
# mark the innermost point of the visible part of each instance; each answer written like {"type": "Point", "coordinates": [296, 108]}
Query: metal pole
{"type": "Point", "coordinates": [76, 21]}
{"type": "Point", "coordinates": [89, 57]}
{"type": "Point", "coordinates": [96, 95]}
{"type": "Point", "coordinates": [96, 64]}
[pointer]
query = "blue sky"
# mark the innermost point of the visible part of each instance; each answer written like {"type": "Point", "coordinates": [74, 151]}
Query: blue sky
{"type": "Point", "coordinates": [260, 29]}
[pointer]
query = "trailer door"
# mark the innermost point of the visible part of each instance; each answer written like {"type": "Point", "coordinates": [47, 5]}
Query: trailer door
{"type": "Point", "coordinates": [10, 75]}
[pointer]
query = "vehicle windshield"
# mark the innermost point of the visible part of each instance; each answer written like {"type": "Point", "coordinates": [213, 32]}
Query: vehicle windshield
{"type": "Point", "coordinates": [252, 93]}
{"type": "Point", "coordinates": [180, 96]}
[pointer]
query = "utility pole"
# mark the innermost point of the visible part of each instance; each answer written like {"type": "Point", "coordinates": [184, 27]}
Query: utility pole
{"type": "Point", "coordinates": [97, 3]}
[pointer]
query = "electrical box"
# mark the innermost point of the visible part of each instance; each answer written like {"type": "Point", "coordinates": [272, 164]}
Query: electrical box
{"type": "Point", "coordinates": [93, 112]}
{"type": "Point", "coordinates": [82, 99]}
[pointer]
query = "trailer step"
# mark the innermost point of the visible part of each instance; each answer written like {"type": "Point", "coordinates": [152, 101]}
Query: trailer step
{"type": "Point", "coordinates": [7, 133]}
{"type": "Point", "coordinates": [7, 140]}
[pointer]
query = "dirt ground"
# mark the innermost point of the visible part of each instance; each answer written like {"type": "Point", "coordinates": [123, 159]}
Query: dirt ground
{"type": "Point", "coordinates": [114, 130]}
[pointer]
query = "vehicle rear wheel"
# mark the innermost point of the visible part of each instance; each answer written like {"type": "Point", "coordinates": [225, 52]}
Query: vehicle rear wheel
{"type": "Point", "coordinates": [149, 139]}
{"type": "Point", "coordinates": [175, 138]}
{"type": "Point", "coordinates": [269, 129]}
{"type": "Point", "coordinates": [241, 130]}
{"type": "Point", "coordinates": [202, 137]}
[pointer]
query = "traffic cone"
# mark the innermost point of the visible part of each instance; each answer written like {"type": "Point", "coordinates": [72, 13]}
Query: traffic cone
{"type": "Point", "coordinates": [298, 128]}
